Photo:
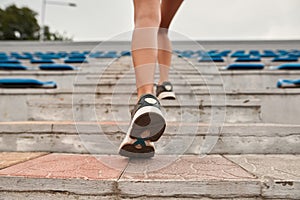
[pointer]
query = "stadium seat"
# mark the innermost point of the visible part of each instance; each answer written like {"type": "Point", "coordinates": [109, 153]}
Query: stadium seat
{"type": "Point", "coordinates": [75, 60]}
{"type": "Point", "coordinates": [77, 55]}
{"type": "Point", "coordinates": [126, 53]}
{"type": "Point", "coordinates": [288, 83]}
{"type": "Point", "coordinates": [41, 61]}
{"type": "Point", "coordinates": [225, 53]}
{"type": "Point", "coordinates": [108, 55]}
{"type": "Point", "coordinates": [248, 59]}
{"type": "Point", "coordinates": [255, 53]}
{"type": "Point", "coordinates": [9, 66]}
{"type": "Point", "coordinates": [288, 66]}
{"type": "Point", "coordinates": [11, 61]}
{"type": "Point", "coordinates": [50, 56]}
{"type": "Point", "coordinates": [62, 54]}
{"type": "Point", "coordinates": [186, 54]}
{"type": "Point", "coordinates": [269, 54]}
{"type": "Point", "coordinates": [211, 59]}
{"type": "Point", "coordinates": [245, 66]}
{"type": "Point", "coordinates": [26, 83]}
{"type": "Point", "coordinates": [285, 59]}
{"type": "Point", "coordinates": [240, 53]}
{"type": "Point", "coordinates": [3, 56]}
{"type": "Point", "coordinates": [57, 67]}
{"type": "Point", "coordinates": [26, 56]}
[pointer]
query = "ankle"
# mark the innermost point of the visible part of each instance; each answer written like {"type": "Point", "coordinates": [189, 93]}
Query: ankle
{"type": "Point", "coordinates": [160, 82]}
{"type": "Point", "coordinates": [146, 89]}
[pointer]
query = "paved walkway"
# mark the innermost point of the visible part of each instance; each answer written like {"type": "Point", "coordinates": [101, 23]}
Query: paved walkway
{"type": "Point", "coordinates": [80, 176]}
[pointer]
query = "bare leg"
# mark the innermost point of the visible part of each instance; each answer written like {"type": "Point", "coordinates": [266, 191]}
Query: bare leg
{"type": "Point", "coordinates": [144, 43]}
{"type": "Point", "coordinates": [168, 11]}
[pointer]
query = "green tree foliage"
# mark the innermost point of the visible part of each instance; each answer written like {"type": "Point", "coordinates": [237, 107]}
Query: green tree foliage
{"type": "Point", "coordinates": [18, 24]}
{"type": "Point", "coordinates": [21, 24]}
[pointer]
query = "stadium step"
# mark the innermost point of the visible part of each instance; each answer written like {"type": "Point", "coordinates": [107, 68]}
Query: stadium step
{"type": "Point", "coordinates": [62, 110]}
{"type": "Point", "coordinates": [272, 100]}
{"type": "Point", "coordinates": [70, 176]}
{"type": "Point", "coordinates": [105, 137]}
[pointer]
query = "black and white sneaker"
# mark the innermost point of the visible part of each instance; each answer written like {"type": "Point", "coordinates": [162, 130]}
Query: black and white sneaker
{"type": "Point", "coordinates": [165, 91]}
{"type": "Point", "coordinates": [147, 126]}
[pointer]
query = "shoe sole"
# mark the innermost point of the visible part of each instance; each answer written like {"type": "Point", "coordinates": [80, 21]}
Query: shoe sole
{"type": "Point", "coordinates": [148, 124]}
{"type": "Point", "coordinates": [130, 151]}
{"type": "Point", "coordinates": [166, 96]}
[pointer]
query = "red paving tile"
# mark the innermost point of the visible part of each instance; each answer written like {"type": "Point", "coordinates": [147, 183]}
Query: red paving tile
{"type": "Point", "coordinates": [11, 158]}
{"type": "Point", "coordinates": [68, 166]}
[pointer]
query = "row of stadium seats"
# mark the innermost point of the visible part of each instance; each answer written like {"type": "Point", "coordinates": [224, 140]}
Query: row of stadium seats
{"type": "Point", "coordinates": [240, 53]}
{"type": "Point", "coordinates": [33, 83]}
{"type": "Point", "coordinates": [10, 66]}
{"type": "Point", "coordinates": [248, 59]}
{"type": "Point", "coordinates": [286, 55]}
{"type": "Point", "coordinates": [234, 66]}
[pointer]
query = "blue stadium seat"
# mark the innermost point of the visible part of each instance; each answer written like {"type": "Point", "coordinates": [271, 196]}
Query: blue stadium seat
{"type": "Point", "coordinates": [240, 53]}
{"type": "Point", "coordinates": [248, 59]}
{"type": "Point", "coordinates": [283, 52]}
{"type": "Point", "coordinates": [289, 66]}
{"type": "Point", "coordinates": [245, 66]}
{"type": "Point", "coordinates": [50, 56]}
{"type": "Point", "coordinates": [41, 61]}
{"type": "Point", "coordinates": [285, 59]}
{"type": "Point", "coordinates": [11, 61]}
{"type": "Point", "coordinates": [75, 60]}
{"type": "Point", "coordinates": [25, 83]}
{"type": "Point", "coordinates": [126, 53]}
{"type": "Point", "coordinates": [255, 53]}
{"type": "Point", "coordinates": [77, 55]}
{"type": "Point", "coordinates": [10, 66]}
{"type": "Point", "coordinates": [3, 56]}
{"type": "Point", "coordinates": [269, 54]}
{"type": "Point", "coordinates": [225, 53]}
{"type": "Point", "coordinates": [108, 55]}
{"type": "Point", "coordinates": [186, 54]}
{"type": "Point", "coordinates": [211, 59]}
{"type": "Point", "coordinates": [288, 83]}
{"type": "Point", "coordinates": [57, 67]}
{"type": "Point", "coordinates": [62, 54]}
{"type": "Point", "coordinates": [21, 56]}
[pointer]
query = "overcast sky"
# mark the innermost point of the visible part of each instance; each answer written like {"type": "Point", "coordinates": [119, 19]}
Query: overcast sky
{"type": "Point", "coordinates": [197, 19]}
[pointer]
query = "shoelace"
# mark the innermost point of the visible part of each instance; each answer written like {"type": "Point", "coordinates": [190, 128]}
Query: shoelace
{"type": "Point", "coordinates": [140, 141]}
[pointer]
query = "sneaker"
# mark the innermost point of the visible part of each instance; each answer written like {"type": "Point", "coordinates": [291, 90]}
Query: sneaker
{"type": "Point", "coordinates": [165, 91]}
{"type": "Point", "coordinates": [147, 126]}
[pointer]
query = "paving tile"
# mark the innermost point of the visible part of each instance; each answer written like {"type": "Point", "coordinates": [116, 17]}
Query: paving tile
{"type": "Point", "coordinates": [187, 176]}
{"type": "Point", "coordinates": [285, 167]}
{"type": "Point", "coordinates": [279, 173]}
{"type": "Point", "coordinates": [67, 166]}
{"type": "Point", "coordinates": [51, 196]}
{"type": "Point", "coordinates": [185, 168]}
{"type": "Point", "coordinates": [11, 158]}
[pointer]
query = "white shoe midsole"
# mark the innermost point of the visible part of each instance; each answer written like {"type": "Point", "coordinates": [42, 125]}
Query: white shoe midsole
{"type": "Point", "coordinates": [146, 109]}
{"type": "Point", "coordinates": [166, 95]}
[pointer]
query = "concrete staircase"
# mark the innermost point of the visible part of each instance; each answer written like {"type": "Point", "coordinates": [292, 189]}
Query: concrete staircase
{"type": "Point", "coordinates": [230, 135]}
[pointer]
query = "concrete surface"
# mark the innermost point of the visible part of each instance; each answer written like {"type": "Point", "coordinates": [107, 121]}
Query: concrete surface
{"type": "Point", "coordinates": [186, 177]}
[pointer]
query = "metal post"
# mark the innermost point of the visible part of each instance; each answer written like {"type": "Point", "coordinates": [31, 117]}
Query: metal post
{"type": "Point", "coordinates": [43, 13]}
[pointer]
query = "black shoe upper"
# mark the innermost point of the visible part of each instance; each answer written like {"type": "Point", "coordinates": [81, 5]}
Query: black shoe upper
{"type": "Point", "coordinates": [164, 87]}
{"type": "Point", "coordinates": [145, 100]}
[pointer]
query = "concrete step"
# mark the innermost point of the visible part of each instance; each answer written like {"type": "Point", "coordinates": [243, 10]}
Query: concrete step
{"type": "Point", "coordinates": [179, 138]}
{"type": "Point", "coordinates": [53, 109]}
{"type": "Point", "coordinates": [271, 100]}
{"type": "Point", "coordinates": [71, 176]}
